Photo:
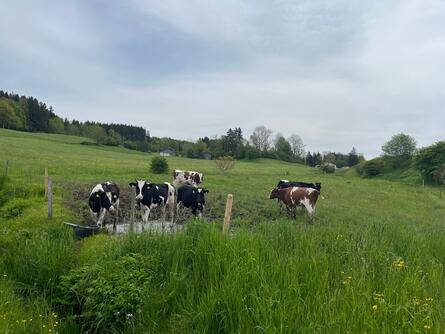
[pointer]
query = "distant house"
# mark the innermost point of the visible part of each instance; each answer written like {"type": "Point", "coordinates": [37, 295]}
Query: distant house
{"type": "Point", "coordinates": [207, 156]}
{"type": "Point", "coordinates": [167, 152]}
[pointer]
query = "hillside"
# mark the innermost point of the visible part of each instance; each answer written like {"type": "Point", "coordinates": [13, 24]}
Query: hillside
{"type": "Point", "coordinates": [372, 261]}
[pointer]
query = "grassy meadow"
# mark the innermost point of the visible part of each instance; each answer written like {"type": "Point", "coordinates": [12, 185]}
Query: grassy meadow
{"type": "Point", "coordinates": [372, 261]}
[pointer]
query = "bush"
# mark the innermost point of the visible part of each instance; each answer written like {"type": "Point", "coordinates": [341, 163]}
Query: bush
{"type": "Point", "coordinates": [223, 164]}
{"type": "Point", "coordinates": [430, 159]}
{"type": "Point", "coordinates": [372, 167]}
{"type": "Point", "coordinates": [159, 165]}
{"type": "Point", "coordinates": [105, 296]}
{"type": "Point", "coordinates": [328, 167]}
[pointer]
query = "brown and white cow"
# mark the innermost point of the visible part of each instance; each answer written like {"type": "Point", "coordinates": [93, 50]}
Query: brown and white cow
{"type": "Point", "coordinates": [297, 196]}
{"type": "Point", "coordinates": [187, 177]}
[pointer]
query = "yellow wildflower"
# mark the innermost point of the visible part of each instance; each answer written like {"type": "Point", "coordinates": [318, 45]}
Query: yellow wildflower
{"type": "Point", "coordinates": [399, 263]}
{"type": "Point", "coordinates": [375, 307]}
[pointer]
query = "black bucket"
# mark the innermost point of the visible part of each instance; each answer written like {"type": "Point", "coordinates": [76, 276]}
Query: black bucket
{"type": "Point", "coordinates": [83, 231]}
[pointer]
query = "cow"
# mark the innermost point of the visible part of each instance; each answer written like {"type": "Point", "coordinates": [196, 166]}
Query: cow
{"type": "Point", "coordinates": [151, 195]}
{"type": "Point", "coordinates": [192, 197]}
{"type": "Point", "coordinates": [104, 197]}
{"type": "Point", "coordinates": [297, 196]}
{"type": "Point", "coordinates": [286, 184]}
{"type": "Point", "coordinates": [187, 177]}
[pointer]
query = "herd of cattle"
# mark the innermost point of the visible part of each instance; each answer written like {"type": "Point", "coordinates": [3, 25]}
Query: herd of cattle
{"type": "Point", "coordinates": [185, 192]}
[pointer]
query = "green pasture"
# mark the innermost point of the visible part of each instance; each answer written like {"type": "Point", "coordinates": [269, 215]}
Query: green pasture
{"type": "Point", "coordinates": [372, 261]}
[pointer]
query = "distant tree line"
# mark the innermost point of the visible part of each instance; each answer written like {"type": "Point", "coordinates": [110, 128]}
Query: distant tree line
{"type": "Point", "coordinates": [28, 114]}
{"type": "Point", "coordinates": [338, 159]}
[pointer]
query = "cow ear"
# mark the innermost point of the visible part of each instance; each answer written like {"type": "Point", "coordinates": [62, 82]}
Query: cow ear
{"type": "Point", "coordinates": [205, 191]}
{"type": "Point", "coordinates": [132, 184]}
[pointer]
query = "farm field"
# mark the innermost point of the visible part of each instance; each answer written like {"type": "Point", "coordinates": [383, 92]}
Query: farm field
{"type": "Point", "coordinates": [372, 261]}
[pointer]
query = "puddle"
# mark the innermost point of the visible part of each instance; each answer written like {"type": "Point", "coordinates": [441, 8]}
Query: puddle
{"type": "Point", "coordinates": [140, 227]}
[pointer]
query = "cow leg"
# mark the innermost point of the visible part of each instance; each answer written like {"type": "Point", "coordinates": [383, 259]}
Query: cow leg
{"type": "Point", "coordinates": [178, 211]}
{"type": "Point", "coordinates": [289, 211]}
{"type": "Point", "coordinates": [101, 217]}
{"type": "Point", "coordinates": [116, 217]}
{"type": "Point", "coordinates": [310, 210]}
{"type": "Point", "coordinates": [145, 210]}
{"type": "Point", "coordinates": [94, 217]}
{"type": "Point", "coordinates": [172, 212]}
{"type": "Point", "coordinates": [164, 214]}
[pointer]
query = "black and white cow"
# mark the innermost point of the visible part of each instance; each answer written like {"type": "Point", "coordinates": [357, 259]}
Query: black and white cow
{"type": "Point", "coordinates": [187, 177]}
{"type": "Point", "coordinates": [286, 184]}
{"type": "Point", "coordinates": [193, 198]}
{"type": "Point", "coordinates": [151, 195]}
{"type": "Point", "coordinates": [104, 197]}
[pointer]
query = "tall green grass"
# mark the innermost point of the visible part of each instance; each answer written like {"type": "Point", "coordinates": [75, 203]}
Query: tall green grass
{"type": "Point", "coordinates": [375, 278]}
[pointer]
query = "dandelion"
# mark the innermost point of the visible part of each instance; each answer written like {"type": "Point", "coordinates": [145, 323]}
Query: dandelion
{"type": "Point", "coordinates": [399, 264]}
{"type": "Point", "coordinates": [375, 307]}
{"type": "Point", "coordinates": [427, 327]}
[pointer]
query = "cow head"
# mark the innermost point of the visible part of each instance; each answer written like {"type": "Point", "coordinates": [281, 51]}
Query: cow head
{"type": "Point", "coordinates": [140, 186]}
{"type": "Point", "coordinates": [105, 200]}
{"type": "Point", "coordinates": [274, 193]}
{"type": "Point", "coordinates": [111, 187]}
{"type": "Point", "coordinates": [199, 198]}
{"type": "Point", "coordinates": [318, 186]}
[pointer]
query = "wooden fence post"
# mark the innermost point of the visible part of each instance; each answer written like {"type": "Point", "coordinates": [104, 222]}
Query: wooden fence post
{"type": "Point", "coordinates": [46, 182]}
{"type": "Point", "coordinates": [228, 213]}
{"type": "Point", "coordinates": [50, 199]}
{"type": "Point", "coordinates": [5, 168]}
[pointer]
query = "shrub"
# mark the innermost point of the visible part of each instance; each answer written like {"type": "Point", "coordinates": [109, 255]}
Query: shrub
{"type": "Point", "coordinates": [104, 296]}
{"type": "Point", "coordinates": [159, 165]}
{"type": "Point", "coordinates": [223, 164]}
{"type": "Point", "coordinates": [372, 167]}
{"type": "Point", "coordinates": [430, 159]}
{"type": "Point", "coordinates": [328, 167]}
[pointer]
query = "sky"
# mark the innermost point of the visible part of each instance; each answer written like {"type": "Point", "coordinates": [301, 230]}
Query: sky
{"type": "Point", "coordinates": [338, 73]}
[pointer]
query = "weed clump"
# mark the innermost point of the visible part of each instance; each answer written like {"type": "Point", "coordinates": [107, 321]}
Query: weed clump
{"type": "Point", "coordinates": [104, 296]}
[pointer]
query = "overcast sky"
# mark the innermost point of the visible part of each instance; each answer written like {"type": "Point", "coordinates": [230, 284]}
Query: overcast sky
{"type": "Point", "coordinates": [338, 73]}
